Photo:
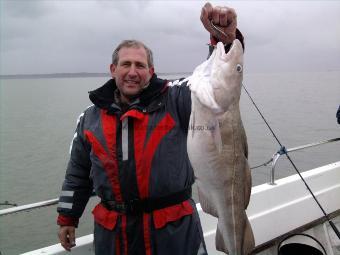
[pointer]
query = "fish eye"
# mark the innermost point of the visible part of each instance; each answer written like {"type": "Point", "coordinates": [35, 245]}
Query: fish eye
{"type": "Point", "coordinates": [239, 68]}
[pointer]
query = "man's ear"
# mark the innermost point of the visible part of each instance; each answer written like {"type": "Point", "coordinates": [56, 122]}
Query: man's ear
{"type": "Point", "coordinates": [151, 70]}
{"type": "Point", "coordinates": [112, 69]}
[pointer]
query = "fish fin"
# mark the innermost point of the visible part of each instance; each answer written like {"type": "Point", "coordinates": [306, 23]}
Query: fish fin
{"type": "Point", "coordinates": [217, 136]}
{"type": "Point", "coordinates": [219, 241]}
{"type": "Point", "coordinates": [207, 207]}
{"type": "Point", "coordinates": [200, 85]}
{"type": "Point", "coordinates": [192, 117]}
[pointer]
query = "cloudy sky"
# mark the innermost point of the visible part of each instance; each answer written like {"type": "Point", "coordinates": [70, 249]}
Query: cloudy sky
{"type": "Point", "coordinates": [46, 36]}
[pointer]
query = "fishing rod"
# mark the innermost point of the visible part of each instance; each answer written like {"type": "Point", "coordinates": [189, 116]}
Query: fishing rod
{"type": "Point", "coordinates": [283, 150]}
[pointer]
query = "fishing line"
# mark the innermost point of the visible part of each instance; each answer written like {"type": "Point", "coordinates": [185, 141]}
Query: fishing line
{"type": "Point", "coordinates": [284, 151]}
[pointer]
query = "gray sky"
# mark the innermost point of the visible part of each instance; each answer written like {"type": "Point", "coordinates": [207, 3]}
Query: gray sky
{"type": "Point", "coordinates": [79, 36]}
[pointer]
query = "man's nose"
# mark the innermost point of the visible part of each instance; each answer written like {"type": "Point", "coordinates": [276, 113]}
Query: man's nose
{"type": "Point", "coordinates": [132, 71]}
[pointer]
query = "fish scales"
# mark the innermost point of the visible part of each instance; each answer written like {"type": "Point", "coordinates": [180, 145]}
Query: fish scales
{"type": "Point", "coordinates": [217, 147]}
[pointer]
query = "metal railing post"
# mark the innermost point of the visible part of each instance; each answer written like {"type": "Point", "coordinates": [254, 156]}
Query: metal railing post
{"type": "Point", "coordinates": [276, 156]}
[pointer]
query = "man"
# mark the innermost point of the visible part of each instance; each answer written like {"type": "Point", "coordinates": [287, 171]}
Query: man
{"type": "Point", "coordinates": [130, 147]}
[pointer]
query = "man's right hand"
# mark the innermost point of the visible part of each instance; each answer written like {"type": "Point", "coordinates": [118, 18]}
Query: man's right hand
{"type": "Point", "coordinates": [224, 18]}
{"type": "Point", "coordinates": [67, 237]}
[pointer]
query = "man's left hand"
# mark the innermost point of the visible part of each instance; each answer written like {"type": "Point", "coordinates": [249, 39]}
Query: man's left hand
{"type": "Point", "coordinates": [224, 18]}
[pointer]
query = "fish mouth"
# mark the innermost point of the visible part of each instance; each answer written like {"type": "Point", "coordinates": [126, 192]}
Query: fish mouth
{"type": "Point", "coordinates": [236, 44]}
{"type": "Point", "coordinates": [235, 49]}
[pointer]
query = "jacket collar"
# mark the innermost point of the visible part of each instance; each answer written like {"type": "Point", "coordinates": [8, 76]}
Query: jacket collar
{"type": "Point", "coordinates": [104, 98]}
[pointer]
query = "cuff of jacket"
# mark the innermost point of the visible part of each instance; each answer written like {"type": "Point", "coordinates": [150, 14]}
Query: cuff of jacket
{"type": "Point", "coordinates": [63, 220]}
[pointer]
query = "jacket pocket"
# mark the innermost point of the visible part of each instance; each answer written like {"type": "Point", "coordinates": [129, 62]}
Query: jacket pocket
{"type": "Point", "coordinates": [172, 213]}
{"type": "Point", "coordinates": [105, 217]}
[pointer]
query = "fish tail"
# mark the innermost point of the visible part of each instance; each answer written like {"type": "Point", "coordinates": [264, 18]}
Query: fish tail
{"type": "Point", "coordinates": [246, 246]}
{"type": "Point", "coordinates": [249, 242]}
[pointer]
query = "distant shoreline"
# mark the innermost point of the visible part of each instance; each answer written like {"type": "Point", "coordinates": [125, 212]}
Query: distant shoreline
{"type": "Point", "coordinates": [53, 75]}
{"type": "Point", "coordinates": [108, 75]}
{"type": "Point", "coordinates": [70, 75]}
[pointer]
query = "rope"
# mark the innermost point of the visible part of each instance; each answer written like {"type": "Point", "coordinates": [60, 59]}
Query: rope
{"type": "Point", "coordinates": [264, 164]}
{"type": "Point", "coordinates": [284, 151]}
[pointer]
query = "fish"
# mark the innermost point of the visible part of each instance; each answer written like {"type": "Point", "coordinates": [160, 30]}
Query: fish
{"type": "Point", "coordinates": [217, 147]}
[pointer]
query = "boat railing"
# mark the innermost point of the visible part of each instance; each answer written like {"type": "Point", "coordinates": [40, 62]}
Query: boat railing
{"type": "Point", "coordinates": [273, 161]}
{"type": "Point", "coordinates": [283, 151]}
{"type": "Point", "coordinates": [27, 207]}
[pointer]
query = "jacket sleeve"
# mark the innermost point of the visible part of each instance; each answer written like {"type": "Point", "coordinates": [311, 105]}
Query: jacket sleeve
{"type": "Point", "coordinates": [180, 95]}
{"type": "Point", "coordinates": [77, 186]}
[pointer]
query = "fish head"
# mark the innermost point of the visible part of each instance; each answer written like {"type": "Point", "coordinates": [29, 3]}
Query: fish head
{"type": "Point", "coordinates": [227, 74]}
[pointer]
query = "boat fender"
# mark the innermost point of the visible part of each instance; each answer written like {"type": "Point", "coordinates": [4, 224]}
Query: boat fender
{"type": "Point", "coordinates": [302, 248]}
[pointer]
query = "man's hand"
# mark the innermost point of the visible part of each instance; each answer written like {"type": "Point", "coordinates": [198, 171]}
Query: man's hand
{"type": "Point", "coordinates": [224, 18]}
{"type": "Point", "coordinates": [66, 236]}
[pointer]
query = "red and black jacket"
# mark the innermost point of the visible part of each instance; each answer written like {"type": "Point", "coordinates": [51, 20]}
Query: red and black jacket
{"type": "Point", "coordinates": [129, 155]}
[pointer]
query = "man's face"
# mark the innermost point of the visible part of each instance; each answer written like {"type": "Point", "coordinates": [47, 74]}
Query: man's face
{"type": "Point", "coordinates": [132, 71]}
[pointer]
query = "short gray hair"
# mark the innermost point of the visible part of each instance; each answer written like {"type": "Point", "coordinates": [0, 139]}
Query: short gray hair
{"type": "Point", "coordinates": [130, 44]}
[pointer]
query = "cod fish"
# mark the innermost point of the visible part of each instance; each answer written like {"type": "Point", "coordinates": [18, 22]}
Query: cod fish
{"type": "Point", "coordinates": [217, 147]}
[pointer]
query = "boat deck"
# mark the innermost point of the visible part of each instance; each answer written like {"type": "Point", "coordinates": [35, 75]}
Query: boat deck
{"type": "Point", "coordinates": [275, 211]}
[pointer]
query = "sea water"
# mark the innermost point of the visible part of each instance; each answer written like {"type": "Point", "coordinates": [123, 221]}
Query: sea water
{"type": "Point", "coordinates": [38, 118]}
